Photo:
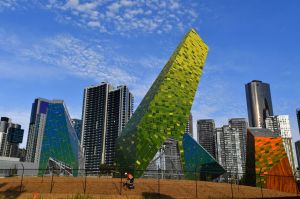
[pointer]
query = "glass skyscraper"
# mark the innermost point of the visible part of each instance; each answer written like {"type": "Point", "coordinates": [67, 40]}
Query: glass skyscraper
{"type": "Point", "coordinates": [206, 135]}
{"type": "Point", "coordinates": [259, 103]}
{"type": "Point", "coordinates": [11, 135]}
{"type": "Point", "coordinates": [298, 118]}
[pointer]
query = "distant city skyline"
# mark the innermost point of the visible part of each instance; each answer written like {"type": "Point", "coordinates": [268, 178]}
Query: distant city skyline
{"type": "Point", "coordinates": [49, 50]}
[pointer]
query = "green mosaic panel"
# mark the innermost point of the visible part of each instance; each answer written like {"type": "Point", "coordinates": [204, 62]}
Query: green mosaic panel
{"type": "Point", "coordinates": [165, 109]}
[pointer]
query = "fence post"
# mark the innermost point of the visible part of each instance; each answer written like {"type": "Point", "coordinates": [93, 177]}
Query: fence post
{"type": "Point", "coordinates": [121, 184]}
{"type": "Point", "coordinates": [84, 188]}
{"type": "Point", "coordinates": [51, 185]}
{"type": "Point", "coordinates": [261, 189]}
{"type": "Point", "coordinates": [196, 177]}
{"type": "Point", "coordinates": [22, 178]}
{"type": "Point", "coordinates": [296, 181]}
{"type": "Point", "coordinates": [231, 184]}
{"type": "Point", "coordinates": [158, 183]}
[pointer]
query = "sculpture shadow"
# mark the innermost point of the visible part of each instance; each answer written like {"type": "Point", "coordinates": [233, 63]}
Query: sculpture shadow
{"type": "Point", "coordinates": [150, 195]}
{"type": "Point", "coordinates": [10, 193]}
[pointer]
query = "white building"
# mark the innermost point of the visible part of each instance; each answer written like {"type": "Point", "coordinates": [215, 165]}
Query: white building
{"type": "Point", "coordinates": [229, 150]}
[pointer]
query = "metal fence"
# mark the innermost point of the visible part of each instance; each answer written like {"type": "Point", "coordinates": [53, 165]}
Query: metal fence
{"type": "Point", "coordinates": [111, 182]}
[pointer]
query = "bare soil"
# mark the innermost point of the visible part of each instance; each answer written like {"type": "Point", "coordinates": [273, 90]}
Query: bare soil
{"type": "Point", "coordinates": [94, 187]}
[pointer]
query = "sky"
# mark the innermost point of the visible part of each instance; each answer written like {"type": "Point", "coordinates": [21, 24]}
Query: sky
{"type": "Point", "coordinates": [55, 48]}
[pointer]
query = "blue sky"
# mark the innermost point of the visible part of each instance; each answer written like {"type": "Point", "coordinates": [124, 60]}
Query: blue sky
{"type": "Point", "coordinates": [53, 49]}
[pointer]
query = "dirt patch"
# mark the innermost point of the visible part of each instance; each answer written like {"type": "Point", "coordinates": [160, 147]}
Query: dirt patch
{"type": "Point", "coordinates": [63, 187]}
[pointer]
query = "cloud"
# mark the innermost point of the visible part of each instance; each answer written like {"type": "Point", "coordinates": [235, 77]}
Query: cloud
{"type": "Point", "coordinates": [77, 57]}
{"type": "Point", "coordinates": [127, 17]}
{"type": "Point", "coordinates": [11, 4]}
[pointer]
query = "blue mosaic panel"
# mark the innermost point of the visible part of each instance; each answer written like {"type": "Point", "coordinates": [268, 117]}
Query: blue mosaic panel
{"type": "Point", "coordinates": [60, 140]}
{"type": "Point", "coordinates": [198, 162]}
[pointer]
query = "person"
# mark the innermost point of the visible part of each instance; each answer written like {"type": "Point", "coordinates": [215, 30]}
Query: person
{"type": "Point", "coordinates": [130, 180]}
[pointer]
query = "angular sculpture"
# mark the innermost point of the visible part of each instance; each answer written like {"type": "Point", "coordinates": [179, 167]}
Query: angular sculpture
{"type": "Point", "coordinates": [164, 111]}
{"type": "Point", "coordinates": [198, 162]}
{"type": "Point", "coordinates": [267, 163]}
{"type": "Point", "coordinates": [60, 142]}
{"type": "Point", "coordinates": [52, 141]}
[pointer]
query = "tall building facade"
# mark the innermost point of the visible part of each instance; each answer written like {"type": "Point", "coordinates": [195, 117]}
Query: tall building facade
{"type": "Point", "coordinates": [229, 149]}
{"type": "Point", "coordinates": [206, 135]}
{"type": "Point", "coordinates": [240, 125]}
{"type": "Point", "coordinates": [77, 124]}
{"type": "Point", "coordinates": [297, 147]}
{"type": "Point", "coordinates": [280, 125]}
{"type": "Point", "coordinates": [189, 125]}
{"type": "Point", "coordinates": [298, 118]}
{"type": "Point", "coordinates": [11, 135]}
{"type": "Point", "coordinates": [106, 110]}
{"type": "Point", "coordinates": [52, 141]}
{"type": "Point", "coordinates": [259, 103]}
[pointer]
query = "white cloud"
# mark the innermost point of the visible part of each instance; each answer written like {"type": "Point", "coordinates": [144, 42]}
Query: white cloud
{"type": "Point", "coordinates": [11, 4]}
{"type": "Point", "coordinates": [93, 24]}
{"type": "Point", "coordinates": [77, 57]}
{"type": "Point", "coordinates": [125, 16]}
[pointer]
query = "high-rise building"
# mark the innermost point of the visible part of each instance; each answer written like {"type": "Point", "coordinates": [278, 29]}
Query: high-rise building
{"type": "Point", "coordinates": [259, 103]}
{"type": "Point", "coordinates": [106, 110]}
{"type": "Point", "coordinates": [298, 118]}
{"type": "Point", "coordinates": [119, 111]}
{"type": "Point", "coordinates": [280, 125]}
{"type": "Point", "coordinates": [206, 135]}
{"type": "Point", "coordinates": [77, 123]}
{"type": "Point", "coordinates": [297, 147]}
{"type": "Point", "coordinates": [189, 126]}
{"type": "Point", "coordinates": [11, 135]}
{"type": "Point", "coordinates": [229, 150]}
{"type": "Point", "coordinates": [52, 141]}
{"type": "Point", "coordinates": [240, 125]}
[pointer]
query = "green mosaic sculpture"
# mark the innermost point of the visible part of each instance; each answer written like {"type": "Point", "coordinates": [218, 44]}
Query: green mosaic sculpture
{"type": "Point", "coordinates": [165, 109]}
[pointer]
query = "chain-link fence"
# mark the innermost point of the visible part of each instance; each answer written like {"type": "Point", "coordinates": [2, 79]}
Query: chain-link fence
{"type": "Point", "coordinates": [160, 184]}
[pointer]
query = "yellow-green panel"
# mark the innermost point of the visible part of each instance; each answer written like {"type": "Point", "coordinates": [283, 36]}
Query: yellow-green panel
{"type": "Point", "coordinates": [165, 109]}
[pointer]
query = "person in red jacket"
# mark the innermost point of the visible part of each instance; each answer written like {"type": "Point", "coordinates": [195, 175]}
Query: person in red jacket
{"type": "Point", "coordinates": [130, 180]}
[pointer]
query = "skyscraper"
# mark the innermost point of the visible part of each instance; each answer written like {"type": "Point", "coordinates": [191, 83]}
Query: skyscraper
{"type": "Point", "coordinates": [298, 118]}
{"type": "Point", "coordinates": [240, 125]}
{"type": "Point", "coordinates": [119, 110]}
{"type": "Point", "coordinates": [11, 135]}
{"type": "Point", "coordinates": [52, 141]}
{"type": "Point", "coordinates": [259, 103]}
{"type": "Point", "coordinates": [106, 110]}
{"type": "Point", "coordinates": [297, 147]}
{"type": "Point", "coordinates": [280, 125]}
{"type": "Point", "coordinates": [76, 123]}
{"type": "Point", "coordinates": [229, 150]}
{"type": "Point", "coordinates": [206, 135]}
